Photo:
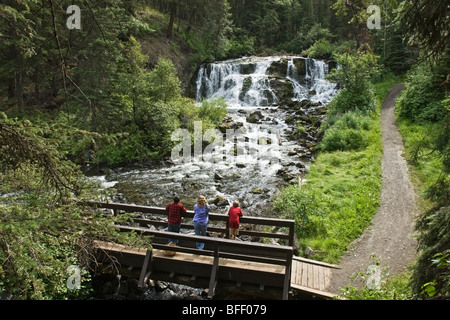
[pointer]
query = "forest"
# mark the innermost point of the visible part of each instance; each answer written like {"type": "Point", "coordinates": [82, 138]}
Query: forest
{"type": "Point", "coordinates": [107, 84]}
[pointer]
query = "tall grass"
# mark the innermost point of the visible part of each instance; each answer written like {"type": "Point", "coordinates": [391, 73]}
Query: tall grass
{"type": "Point", "coordinates": [419, 141]}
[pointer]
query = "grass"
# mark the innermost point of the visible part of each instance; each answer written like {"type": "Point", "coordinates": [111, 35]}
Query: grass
{"type": "Point", "coordinates": [396, 287]}
{"type": "Point", "coordinates": [426, 165]}
{"type": "Point", "coordinates": [347, 186]}
{"type": "Point", "coordinates": [341, 193]}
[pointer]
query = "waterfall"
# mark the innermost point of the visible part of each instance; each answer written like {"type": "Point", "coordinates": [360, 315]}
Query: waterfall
{"type": "Point", "coordinates": [261, 81]}
{"type": "Point", "coordinates": [240, 82]}
{"type": "Point", "coordinates": [323, 90]}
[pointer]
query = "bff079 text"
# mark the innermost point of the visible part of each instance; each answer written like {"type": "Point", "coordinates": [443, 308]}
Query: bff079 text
{"type": "Point", "coordinates": [246, 309]}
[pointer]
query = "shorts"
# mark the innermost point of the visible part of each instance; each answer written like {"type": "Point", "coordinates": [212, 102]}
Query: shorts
{"type": "Point", "coordinates": [234, 231]}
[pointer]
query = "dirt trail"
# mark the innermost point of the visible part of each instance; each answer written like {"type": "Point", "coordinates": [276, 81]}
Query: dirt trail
{"type": "Point", "coordinates": [390, 237]}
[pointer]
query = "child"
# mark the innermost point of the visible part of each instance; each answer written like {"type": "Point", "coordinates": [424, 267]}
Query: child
{"type": "Point", "coordinates": [235, 212]}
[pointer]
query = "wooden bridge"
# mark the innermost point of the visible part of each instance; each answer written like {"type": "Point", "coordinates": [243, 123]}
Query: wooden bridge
{"type": "Point", "coordinates": [268, 267]}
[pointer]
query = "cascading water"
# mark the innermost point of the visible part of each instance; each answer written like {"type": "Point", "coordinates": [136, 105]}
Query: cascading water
{"type": "Point", "coordinates": [247, 81]}
{"type": "Point", "coordinates": [252, 155]}
{"type": "Point", "coordinates": [242, 81]}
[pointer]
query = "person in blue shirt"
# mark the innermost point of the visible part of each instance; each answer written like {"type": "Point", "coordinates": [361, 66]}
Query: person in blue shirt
{"type": "Point", "coordinates": [201, 219]}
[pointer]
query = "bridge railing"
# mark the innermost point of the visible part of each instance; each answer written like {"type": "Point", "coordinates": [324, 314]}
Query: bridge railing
{"type": "Point", "coordinates": [286, 226]}
{"type": "Point", "coordinates": [223, 248]}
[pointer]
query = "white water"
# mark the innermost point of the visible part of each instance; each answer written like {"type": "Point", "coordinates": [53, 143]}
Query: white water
{"type": "Point", "coordinates": [226, 79]}
{"type": "Point", "coordinates": [261, 147]}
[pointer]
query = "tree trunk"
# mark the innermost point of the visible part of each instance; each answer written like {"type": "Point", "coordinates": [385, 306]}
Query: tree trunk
{"type": "Point", "coordinates": [11, 88]}
{"type": "Point", "coordinates": [173, 11]}
{"type": "Point", "coordinates": [19, 91]}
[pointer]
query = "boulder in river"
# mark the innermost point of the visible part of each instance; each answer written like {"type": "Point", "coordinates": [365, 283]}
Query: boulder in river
{"type": "Point", "coordinates": [220, 201]}
{"type": "Point", "coordinates": [255, 117]}
{"type": "Point", "coordinates": [217, 176]}
{"type": "Point", "coordinates": [256, 191]}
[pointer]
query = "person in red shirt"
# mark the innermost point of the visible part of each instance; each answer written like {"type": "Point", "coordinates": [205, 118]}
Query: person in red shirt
{"type": "Point", "coordinates": [234, 212]}
{"type": "Point", "coordinates": [176, 210]}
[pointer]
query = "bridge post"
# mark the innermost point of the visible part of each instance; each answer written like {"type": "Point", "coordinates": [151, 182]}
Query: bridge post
{"type": "Point", "coordinates": [215, 267]}
{"type": "Point", "coordinates": [287, 277]}
{"type": "Point", "coordinates": [147, 261]}
{"type": "Point", "coordinates": [291, 234]}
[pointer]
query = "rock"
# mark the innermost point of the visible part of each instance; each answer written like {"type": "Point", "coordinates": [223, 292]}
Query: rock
{"type": "Point", "coordinates": [288, 177]}
{"type": "Point", "coordinates": [108, 289]}
{"type": "Point", "coordinates": [240, 165]}
{"type": "Point", "coordinates": [161, 285]}
{"type": "Point", "coordinates": [168, 295]}
{"type": "Point", "coordinates": [248, 68]}
{"type": "Point", "coordinates": [255, 117]}
{"type": "Point", "coordinates": [217, 176]}
{"type": "Point", "coordinates": [310, 252]}
{"type": "Point", "coordinates": [278, 68]}
{"type": "Point", "coordinates": [256, 191]}
{"type": "Point", "coordinates": [245, 87]}
{"type": "Point", "coordinates": [289, 119]}
{"type": "Point", "coordinates": [300, 165]}
{"type": "Point", "coordinates": [332, 65]}
{"type": "Point", "coordinates": [262, 141]}
{"type": "Point", "coordinates": [283, 88]}
{"type": "Point", "coordinates": [300, 66]}
{"type": "Point", "coordinates": [220, 201]}
{"type": "Point", "coordinates": [238, 125]}
{"type": "Point", "coordinates": [285, 174]}
{"type": "Point", "coordinates": [292, 152]}
{"type": "Point", "coordinates": [321, 110]}
{"type": "Point", "coordinates": [223, 127]}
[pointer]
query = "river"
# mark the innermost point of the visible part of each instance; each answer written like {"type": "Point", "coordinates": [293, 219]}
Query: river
{"type": "Point", "coordinates": [268, 98]}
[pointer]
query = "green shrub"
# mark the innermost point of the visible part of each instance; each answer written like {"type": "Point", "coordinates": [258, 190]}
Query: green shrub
{"type": "Point", "coordinates": [304, 208]}
{"type": "Point", "coordinates": [345, 132]}
{"type": "Point", "coordinates": [343, 140]}
{"type": "Point", "coordinates": [213, 111]}
{"type": "Point", "coordinates": [347, 100]}
{"type": "Point", "coordinates": [354, 75]}
{"type": "Point", "coordinates": [123, 148]}
{"type": "Point", "coordinates": [422, 97]}
{"type": "Point", "coordinates": [321, 49]}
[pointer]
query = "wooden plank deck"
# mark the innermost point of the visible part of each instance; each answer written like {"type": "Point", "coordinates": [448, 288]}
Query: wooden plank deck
{"type": "Point", "coordinates": [311, 276]}
{"type": "Point", "coordinates": [187, 257]}
{"type": "Point", "coordinates": [215, 266]}
{"type": "Point", "coordinates": [306, 275]}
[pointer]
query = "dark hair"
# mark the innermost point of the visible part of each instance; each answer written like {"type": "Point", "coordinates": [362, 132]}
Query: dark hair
{"type": "Point", "coordinates": [176, 199]}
